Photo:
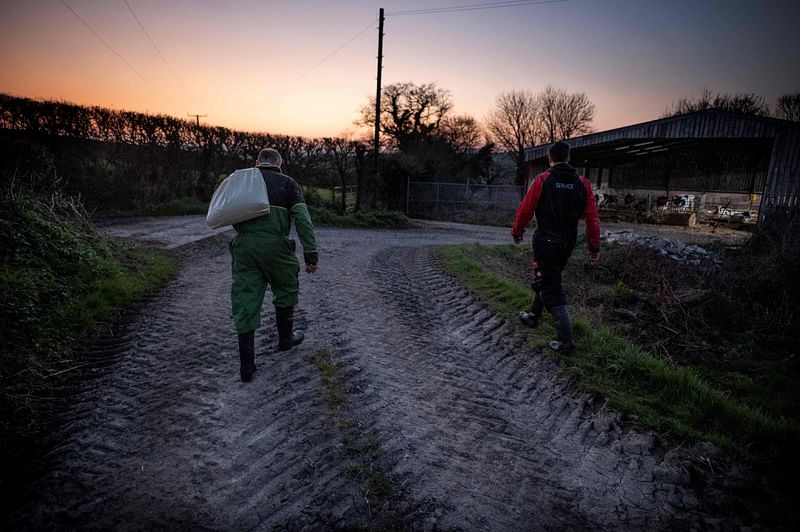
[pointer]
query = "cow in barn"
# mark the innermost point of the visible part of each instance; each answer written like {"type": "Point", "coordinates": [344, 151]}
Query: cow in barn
{"type": "Point", "coordinates": [605, 199]}
{"type": "Point", "coordinates": [683, 202]}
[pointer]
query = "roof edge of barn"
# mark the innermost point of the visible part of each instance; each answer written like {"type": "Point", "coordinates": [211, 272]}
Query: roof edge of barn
{"type": "Point", "coordinates": [540, 152]}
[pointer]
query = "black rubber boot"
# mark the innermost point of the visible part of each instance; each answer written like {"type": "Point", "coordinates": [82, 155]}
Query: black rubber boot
{"type": "Point", "coordinates": [247, 355]}
{"type": "Point", "coordinates": [565, 342]}
{"type": "Point", "coordinates": [287, 336]}
{"type": "Point", "coordinates": [531, 318]}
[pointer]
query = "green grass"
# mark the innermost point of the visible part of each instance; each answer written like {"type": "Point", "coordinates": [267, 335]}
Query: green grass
{"type": "Point", "coordinates": [137, 271]}
{"type": "Point", "coordinates": [671, 399]}
{"type": "Point", "coordinates": [332, 380]}
{"type": "Point", "coordinates": [315, 196]}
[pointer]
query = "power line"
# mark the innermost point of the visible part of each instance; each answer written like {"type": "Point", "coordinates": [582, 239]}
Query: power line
{"type": "Point", "coordinates": [119, 56]}
{"type": "Point", "coordinates": [157, 49]}
{"type": "Point", "coordinates": [472, 7]}
{"type": "Point", "coordinates": [316, 66]}
{"type": "Point", "coordinates": [353, 38]}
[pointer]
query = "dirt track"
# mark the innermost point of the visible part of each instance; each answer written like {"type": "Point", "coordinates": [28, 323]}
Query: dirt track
{"type": "Point", "coordinates": [448, 422]}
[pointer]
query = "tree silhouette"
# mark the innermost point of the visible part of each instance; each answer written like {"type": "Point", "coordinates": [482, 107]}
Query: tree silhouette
{"type": "Point", "coordinates": [410, 113]}
{"type": "Point", "coordinates": [744, 103]}
{"type": "Point", "coordinates": [564, 115]}
{"type": "Point", "coordinates": [514, 125]}
{"type": "Point", "coordinates": [462, 133]}
{"type": "Point", "coordinates": [788, 107]}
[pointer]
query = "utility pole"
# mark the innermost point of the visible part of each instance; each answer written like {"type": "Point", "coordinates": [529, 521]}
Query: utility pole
{"type": "Point", "coordinates": [378, 93]}
{"type": "Point", "coordinates": [197, 117]}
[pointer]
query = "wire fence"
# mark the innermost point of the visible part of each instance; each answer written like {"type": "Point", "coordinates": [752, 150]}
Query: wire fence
{"type": "Point", "coordinates": [463, 202]}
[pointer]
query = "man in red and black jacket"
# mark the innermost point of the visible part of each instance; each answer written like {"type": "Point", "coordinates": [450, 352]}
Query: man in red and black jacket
{"type": "Point", "coordinates": [558, 197]}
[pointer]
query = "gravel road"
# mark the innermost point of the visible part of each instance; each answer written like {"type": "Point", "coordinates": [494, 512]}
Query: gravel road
{"type": "Point", "coordinates": [448, 422]}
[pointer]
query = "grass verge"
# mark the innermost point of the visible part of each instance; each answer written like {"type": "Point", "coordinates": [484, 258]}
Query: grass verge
{"type": "Point", "coordinates": [671, 399]}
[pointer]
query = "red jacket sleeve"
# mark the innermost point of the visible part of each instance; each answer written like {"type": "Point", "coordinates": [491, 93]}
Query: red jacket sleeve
{"type": "Point", "coordinates": [592, 218]}
{"type": "Point", "coordinates": [528, 206]}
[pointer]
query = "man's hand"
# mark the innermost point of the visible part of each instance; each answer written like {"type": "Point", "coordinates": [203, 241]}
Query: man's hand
{"type": "Point", "coordinates": [517, 239]}
{"type": "Point", "coordinates": [311, 268]}
{"type": "Point", "coordinates": [592, 256]}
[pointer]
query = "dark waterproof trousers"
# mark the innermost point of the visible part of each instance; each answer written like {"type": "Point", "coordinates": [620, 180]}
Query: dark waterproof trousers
{"type": "Point", "coordinates": [551, 254]}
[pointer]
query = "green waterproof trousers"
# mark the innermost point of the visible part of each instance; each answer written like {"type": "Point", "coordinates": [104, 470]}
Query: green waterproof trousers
{"type": "Point", "coordinates": [259, 261]}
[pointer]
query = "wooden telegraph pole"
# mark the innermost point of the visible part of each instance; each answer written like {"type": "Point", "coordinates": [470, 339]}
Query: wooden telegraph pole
{"type": "Point", "coordinates": [197, 118]}
{"type": "Point", "coordinates": [378, 93]}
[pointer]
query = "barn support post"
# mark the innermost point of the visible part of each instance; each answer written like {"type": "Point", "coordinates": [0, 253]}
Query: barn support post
{"type": "Point", "coordinates": [668, 173]}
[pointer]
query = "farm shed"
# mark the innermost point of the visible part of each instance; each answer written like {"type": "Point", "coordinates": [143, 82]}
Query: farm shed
{"type": "Point", "coordinates": [746, 161]}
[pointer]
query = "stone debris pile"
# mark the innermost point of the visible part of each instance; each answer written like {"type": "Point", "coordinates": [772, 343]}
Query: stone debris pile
{"type": "Point", "coordinates": [674, 249]}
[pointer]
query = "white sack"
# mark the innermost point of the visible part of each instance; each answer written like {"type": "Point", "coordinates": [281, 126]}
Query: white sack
{"type": "Point", "coordinates": [240, 197]}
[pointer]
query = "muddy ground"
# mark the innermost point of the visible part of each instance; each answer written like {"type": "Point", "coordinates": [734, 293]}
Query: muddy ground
{"type": "Point", "coordinates": [446, 421]}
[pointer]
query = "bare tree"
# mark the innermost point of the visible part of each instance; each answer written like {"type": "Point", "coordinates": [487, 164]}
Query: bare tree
{"type": "Point", "coordinates": [788, 107]}
{"type": "Point", "coordinates": [462, 133]}
{"type": "Point", "coordinates": [410, 113]}
{"type": "Point", "coordinates": [547, 104]}
{"type": "Point", "coordinates": [564, 115]}
{"type": "Point", "coordinates": [514, 126]}
{"type": "Point", "coordinates": [575, 115]}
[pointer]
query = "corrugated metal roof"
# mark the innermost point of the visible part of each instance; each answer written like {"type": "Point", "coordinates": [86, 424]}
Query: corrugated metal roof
{"type": "Point", "coordinates": [708, 123]}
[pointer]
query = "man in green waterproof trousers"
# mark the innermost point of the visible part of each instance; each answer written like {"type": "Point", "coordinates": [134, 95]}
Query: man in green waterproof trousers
{"type": "Point", "coordinates": [264, 255]}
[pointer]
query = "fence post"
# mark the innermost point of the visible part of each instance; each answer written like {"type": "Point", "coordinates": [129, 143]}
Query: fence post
{"type": "Point", "coordinates": [408, 194]}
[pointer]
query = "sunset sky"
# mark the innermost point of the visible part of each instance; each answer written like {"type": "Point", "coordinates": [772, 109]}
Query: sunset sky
{"type": "Point", "coordinates": [267, 65]}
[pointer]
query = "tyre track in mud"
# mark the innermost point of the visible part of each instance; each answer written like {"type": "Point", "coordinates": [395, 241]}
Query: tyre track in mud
{"type": "Point", "coordinates": [461, 427]}
{"type": "Point", "coordinates": [476, 433]}
{"type": "Point", "coordinates": [170, 439]}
